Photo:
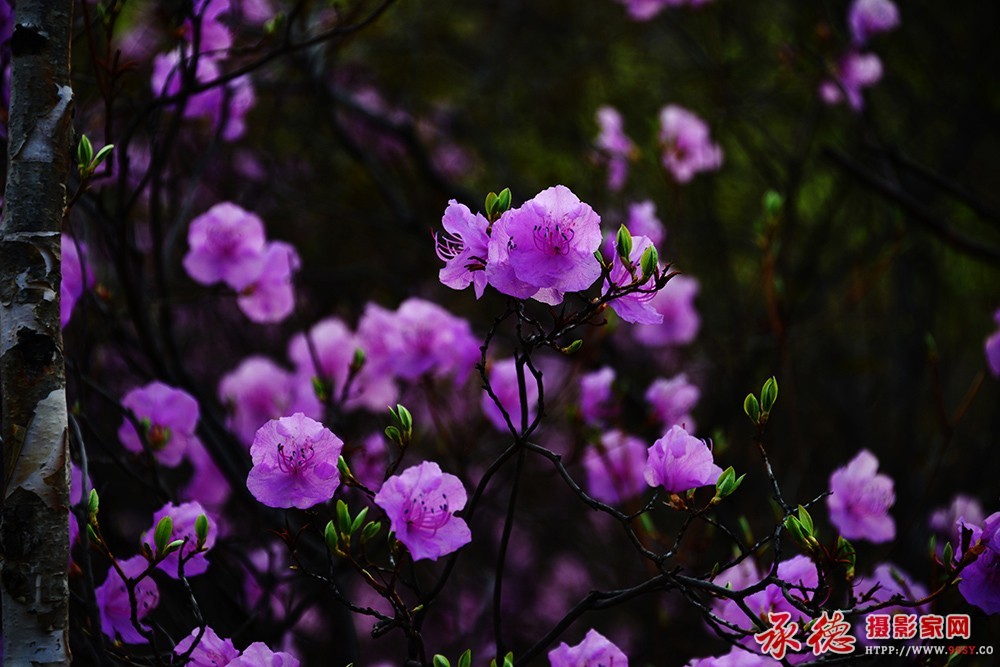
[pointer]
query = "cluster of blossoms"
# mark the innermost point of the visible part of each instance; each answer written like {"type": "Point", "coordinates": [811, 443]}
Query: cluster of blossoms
{"type": "Point", "coordinates": [855, 70]}
{"type": "Point", "coordinates": [644, 10]}
{"type": "Point", "coordinates": [229, 245]}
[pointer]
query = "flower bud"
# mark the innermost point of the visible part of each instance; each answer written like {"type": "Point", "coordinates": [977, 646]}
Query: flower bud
{"type": "Point", "coordinates": [752, 408]}
{"type": "Point", "coordinates": [768, 395]}
{"type": "Point", "coordinates": [201, 529]}
{"type": "Point", "coordinates": [623, 243]}
{"type": "Point", "coordinates": [161, 535]}
{"type": "Point", "coordinates": [649, 262]}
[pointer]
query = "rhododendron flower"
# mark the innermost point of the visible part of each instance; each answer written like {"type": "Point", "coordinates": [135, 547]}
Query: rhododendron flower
{"type": "Point", "coordinates": [853, 72]}
{"type": "Point", "coordinates": [992, 348]}
{"type": "Point", "coordinates": [615, 468]}
{"type": "Point", "coordinates": [113, 600]}
{"type": "Point", "coordinates": [886, 582]}
{"type": "Point", "coordinates": [270, 295]}
{"type": "Point", "coordinates": [594, 651]}
{"type": "Point", "coordinates": [259, 655]}
{"type": "Point", "coordinates": [687, 144]}
{"type": "Point", "coordinates": [679, 462]}
{"type": "Point", "coordinates": [947, 522]}
{"type": "Point", "coordinates": [294, 463]}
{"type": "Point", "coordinates": [671, 401]}
{"type": "Point", "coordinates": [860, 500]}
{"type": "Point", "coordinates": [545, 247]}
{"type": "Point", "coordinates": [615, 146]}
{"type": "Point", "coordinates": [254, 392]}
{"type": "Point", "coordinates": [635, 307]}
{"type": "Point", "coordinates": [867, 18]}
{"type": "Point", "coordinates": [207, 484]}
{"type": "Point", "coordinates": [680, 318]}
{"type": "Point", "coordinates": [980, 584]}
{"type": "Point", "coordinates": [503, 380]}
{"type": "Point", "coordinates": [421, 503]}
{"type": "Point", "coordinates": [643, 10]}
{"type": "Point", "coordinates": [799, 572]}
{"type": "Point", "coordinates": [226, 244]}
{"type": "Point", "coordinates": [171, 415]}
{"type": "Point", "coordinates": [463, 248]}
{"type": "Point", "coordinates": [596, 400]}
{"type": "Point", "coordinates": [75, 276]}
{"type": "Point", "coordinates": [735, 658]}
{"type": "Point", "coordinates": [211, 650]}
{"type": "Point", "coordinates": [642, 221]}
{"type": "Point", "coordinates": [184, 517]}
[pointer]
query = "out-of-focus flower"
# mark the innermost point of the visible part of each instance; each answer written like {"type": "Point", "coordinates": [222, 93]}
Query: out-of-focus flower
{"type": "Point", "coordinates": [294, 463]}
{"type": "Point", "coordinates": [679, 462]}
{"type": "Point", "coordinates": [853, 72]}
{"type": "Point", "coordinates": [595, 650]}
{"type": "Point", "coordinates": [992, 348]}
{"type": "Point", "coordinates": [270, 296]}
{"type": "Point", "coordinates": [184, 517]}
{"type": "Point", "coordinates": [615, 146]}
{"type": "Point", "coordinates": [615, 467]}
{"type": "Point", "coordinates": [463, 248]}
{"type": "Point", "coordinates": [980, 584]}
{"type": "Point", "coordinates": [503, 380]}
{"type": "Point", "coordinates": [671, 401]}
{"type": "Point", "coordinates": [636, 307]}
{"type": "Point", "coordinates": [643, 10]}
{"type": "Point", "coordinates": [211, 650]}
{"type": "Point", "coordinates": [113, 600]}
{"type": "Point", "coordinates": [171, 415]}
{"type": "Point", "coordinates": [545, 248]}
{"type": "Point", "coordinates": [254, 392]}
{"type": "Point", "coordinates": [860, 500]}
{"type": "Point", "coordinates": [421, 503]}
{"type": "Point", "coordinates": [596, 400]}
{"type": "Point", "coordinates": [642, 221]}
{"type": "Point", "coordinates": [947, 521]}
{"type": "Point", "coordinates": [207, 484]}
{"type": "Point", "coordinates": [687, 144]}
{"type": "Point", "coordinates": [867, 18]}
{"type": "Point", "coordinates": [735, 658]}
{"type": "Point", "coordinates": [799, 573]}
{"type": "Point", "coordinates": [886, 582]}
{"type": "Point", "coordinates": [680, 318]}
{"type": "Point", "coordinates": [75, 277]}
{"type": "Point", "coordinates": [259, 655]}
{"type": "Point", "coordinates": [226, 244]}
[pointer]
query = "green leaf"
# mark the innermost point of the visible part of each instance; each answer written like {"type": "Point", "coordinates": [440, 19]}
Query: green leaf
{"type": "Point", "coordinates": [752, 408]}
{"type": "Point", "coordinates": [162, 533]}
{"type": "Point", "coordinates": [573, 347]}
{"type": "Point", "coordinates": [772, 202]}
{"type": "Point", "coordinates": [370, 530]}
{"type": "Point", "coordinates": [465, 660]}
{"type": "Point", "coordinates": [491, 206]}
{"type": "Point", "coordinates": [342, 467]}
{"type": "Point", "coordinates": [84, 153]}
{"type": "Point", "coordinates": [173, 546]}
{"type": "Point", "coordinates": [93, 503]}
{"type": "Point", "coordinates": [503, 201]}
{"type": "Point", "coordinates": [508, 660]}
{"type": "Point", "coordinates": [359, 520]}
{"type": "Point", "coordinates": [768, 395]}
{"type": "Point", "coordinates": [343, 518]}
{"type": "Point", "coordinates": [101, 155]}
{"type": "Point", "coordinates": [405, 420]}
{"type": "Point", "coordinates": [806, 520]}
{"type": "Point", "coordinates": [393, 434]}
{"type": "Point", "coordinates": [330, 536]}
{"type": "Point", "coordinates": [440, 661]}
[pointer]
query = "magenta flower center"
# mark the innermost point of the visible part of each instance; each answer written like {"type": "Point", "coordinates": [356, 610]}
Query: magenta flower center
{"type": "Point", "coordinates": [553, 239]}
{"type": "Point", "coordinates": [295, 460]}
{"type": "Point", "coordinates": [158, 437]}
{"type": "Point", "coordinates": [424, 517]}
{"type": "Point", "coordinates": [448, 246]}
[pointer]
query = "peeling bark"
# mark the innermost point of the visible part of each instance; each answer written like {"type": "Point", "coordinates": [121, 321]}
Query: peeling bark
{"type": "Point", "coordinates": [34, 533]}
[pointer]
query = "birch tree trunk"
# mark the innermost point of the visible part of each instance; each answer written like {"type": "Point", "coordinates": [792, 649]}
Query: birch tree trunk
{"type": "Point", "coordinates": [34, 532]}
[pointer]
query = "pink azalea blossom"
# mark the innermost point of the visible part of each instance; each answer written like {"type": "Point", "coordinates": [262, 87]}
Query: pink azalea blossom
{"type": "Point", "coordinates": [636, 307]}
{"type": "Point", "coordinates": [615, 468]}
{"type": "Point", "coordinates": [615, 146]}
{"type": "Point", "coordinates": [294, 463]}
{"type": "Point", "coordinates": [226, 244]}
{"type": "Point", "coordinates": [545, 248]}
{"type": "Point", "coordinates": [671, 401]}
{"type": "Point", "coordinates": [270, 296]}
{"type": "Point", "coordinates": [679, 462]}
{"type": "Point", "coordinates": [867, 18]}
{"type": "Point", "coordinates": [172, 415]}
{"type": "Point", "coordinates": [596, 399]}
{"type": "Point", "coordinates": [463, 248]}
{"type": "Point", "coordinates": [595, 650]}
{"type": "Point", "coordinates": [259, 655]}
{"type": "Point", "coordinates": [75, 277]}
{"type": "Point", "coordinates": [211, 650]}
{"type": "Point", "coordinates": [421, 503]}
{"type": "Point", "coordinates": [860, 500]}
{"type": "Point", "coordinates": [980, 584]}
{"type": "Point", "coordinates": [853, 72]}
{"type": "Point", "coordinates": [113, 600]}
{"type": "Point", "coordinates": [680, 318]}
{"type": "Point", "coordinates": [254, 392]}
{"type": "Point", "coordinates": [687, 145]}
{"type": "Point", "coordinates": [503, 380]}
{"type": "Point", "coordinates": [184, 517]}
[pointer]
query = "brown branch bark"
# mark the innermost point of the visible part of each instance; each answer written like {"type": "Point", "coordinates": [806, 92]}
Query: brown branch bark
{"type": "Point", "coordinates": [34, 540]}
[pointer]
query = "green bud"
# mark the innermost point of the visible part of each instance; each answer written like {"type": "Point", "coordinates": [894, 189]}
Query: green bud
{"type": "Point", "coordinates": [371, 530]}
{"type": "Point", "coordinates": [343, 518]}
{"type": "Point", "coordinates": [727, 483]}
{"type": "Point", "coordinates": [573, 347]}
{"type": "Point", "coordinates": [321, 388]}
{"type": "Point", "coordinates": [794, 528]}
{"type": "Point", "coordinates": [503, 201]}
{"type": "Point", "coordinates": [145, 424]}
{"type": "Point", "coordinates": [93, 504]}
{"type": "Point", "coordinates": [947, 554]}
{"type": "Point", "coordinates": [752, 408]}
{"type": "Point", "coordinates": [405, 420]}
{"type": "Point", "coordinates": [330, 536]}
{"type": "Point", "coordinates": [173, 546]}
{"type": "Point", "coordinates": [806, 520]}
{"type": "Point", "coordinates": [101, 155]}
{"type": "Point", "coordinates": [358, 520]}
{"type": "Point", "coordinates": [392, 433]}
{"type": "Point", "coordinates": [465, 660]}
{"type": "Point", "coordinates": [491, 206]}
{"type": "Point", "coordinates": [201, 529]}
{"type": "Point", "coordinates": [440, 661]}
{"type": "Point", "coordinates": [649, 262]}
{"type": "Point", "coordinates": [358, 360]}
{"type": "Point", "coordinates": [161, 534]}
{"type": "Point", "coordinates": [623, 243]}
{"type": "Point", "coordinates": [342, 467]}
{"type": "Point", "coordinates": [92, 534]}
{"type": "Point", "coordinates": [508, 660]}
{"type": "Point", "coordinates": [84, 153]}
{"type": "Point", "coordinates": [772, 203]}
{"type": "Point", "coordinates": [768, 395]}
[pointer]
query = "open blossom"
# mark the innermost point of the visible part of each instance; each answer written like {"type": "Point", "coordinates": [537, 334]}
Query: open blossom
{"type": "Point", "coordinates": [886, 582]}
{"type": "Point", "coordinates": [463, 248]}
{"type": "Point", "coordinates": [635, 307]}
{"type": "Point", "coordinates": [853, 72]}
{"type": "Point", "coordinates": [596, 399]}
{"type": "Point", "coordinates": [270, 295]}
{"type": "Point", "coordinates": [226, 244]}
{"type": "Point", "coordinates": [171, 415]}
{"type": "Point", "coordinates": [294, 463]}
{"type": "Point", "coordinates": [75, 276]}
{"type": "Point", "coordinates": [867, 18]}
{"type": "Point", "coordinates": [184, 517]}
{"type": "Point", "coordinates": [671, 401]}
{"type": "Point", "coordinates": [207, 485]}
{"type": "Point", "coordinates": [113, 600]}
{"type": "Point", "coordinates": [254, 392]}
{"type": "Point", "coordinates": [421, 503]}
{"type": "Point", "coordinates": [860, 500]}
{"type": "Point", "coordinates": [680, 318]}
{"type": "Point", "coordinates": [503, 380]}
{"type": "Point", "coordinates": [799, 572]}
{"type": "Point", "coordinates": [679, 462]}
{"type": "Point", "coordinates": [259, 655]}
{"type": "Point", "coordinates": [642, 221]}
{"type": "Point", "coordinates": [211, 651]}
{"type": "Point", "coordinates": [614, 145]}
{"type": "Point", "coordinates": [545, 247]}
{"type": "Point", "coordinates": [992, 347]}
{"type": "Point", "coordinates": [687, 144]}
{"type": "Point", "coordinates": [615, 467]}
{"type": "Point", "coordinates": [947, 522]}
{"type": "Point", "coordinates": [595, 650]}
{"type": "Point", "coordinates": [980, 584]}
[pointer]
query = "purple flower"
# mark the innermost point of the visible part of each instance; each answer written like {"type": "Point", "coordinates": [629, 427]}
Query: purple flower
{"type": "Point", "coordinates": [615, 467]}
{"type": "Point", "coordinates": [992, 348]}
{"type": "Point", "coordinates": [594, 651]}
{"type": "Point", "coordinates": [853, 72]}
{"type": "Point", "coordinates": [642, 221]}
{"type": "Point", "coordinates": [735, 658]}
{"type": "Point", "coordinates": [799, 572]}
{"type": "Point", "coordinates": [270, 295]}
{"type": "Point", "coordinates": [679, 462]}
{"type": "Point", "coordinates": [643, 10]}
{"type": "Point", "coordinates": [211, 651]}
{"type": "Point", "coordinates": [871, 17]}
{"type": "Point", "coordinates": [463, 248]}
{"type": "Point", "coordinates": [886, 582]}
{"type": "Point", "coordinates": [226, 244]}
{"type": "Point", "coordinates": [171, 415]}
{"type": "Point", "coordinates": [254, 392]}
{"type": "Point", "coordinates": [615, 146]}
{"type": "Point", "coordinates": [597, 404]}
{"type": "Point", "coordinates": [860, 500]}
{"type": "Point", "coordinates": [671, 401]}
{"type": "Point", "coordinates": [421, 503]}
{"type": "Point", "coordinates": [687, 144]}
{"type": "Point", "coordinates": [680, 319]}
{"type": "Point", "coordinates": [184, 517]}
{"type": "Point", "coordinates": [113, 601]}
{"type": "Point", "coordinates": [207, 484]}
{"type": "Point", "coordinates": [947, 522]}
{"type": "Point", "coordinates": [75, 277]}
{"type": "Point", "coordinates": [545, 247]}
{"type": "Point", "coordinates": [980, 584]}
{"type": "Point", "coordinates": [636, 307]}
{"type": "Point", "coordinates": [503, 380]}
{"type": "Point", "coordinates": [259, 655]}
{"type": "Point", "coordinates": [294, 463]}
